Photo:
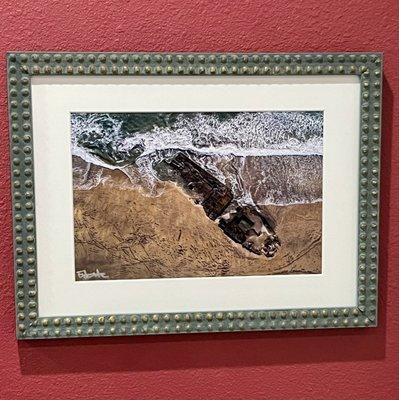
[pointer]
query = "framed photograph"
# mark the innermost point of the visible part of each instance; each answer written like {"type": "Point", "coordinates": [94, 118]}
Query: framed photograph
{"type": "Point", "coordinates": [177, 193]}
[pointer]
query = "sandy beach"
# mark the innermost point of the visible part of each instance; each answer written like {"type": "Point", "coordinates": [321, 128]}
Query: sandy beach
{"type": "Point", "coordinates": [124, 234]}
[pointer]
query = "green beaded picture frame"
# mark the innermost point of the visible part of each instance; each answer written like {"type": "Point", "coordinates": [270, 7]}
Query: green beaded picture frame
{"type": "Point", "coordinates": [22, 66]}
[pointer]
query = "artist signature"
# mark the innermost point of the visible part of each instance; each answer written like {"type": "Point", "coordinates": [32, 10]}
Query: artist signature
{"type": "Point", "coordinates": [83, 274]}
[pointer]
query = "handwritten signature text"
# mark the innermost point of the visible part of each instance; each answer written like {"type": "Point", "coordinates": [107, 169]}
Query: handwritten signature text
{"type": "Point", "coordinates": [83, 274]}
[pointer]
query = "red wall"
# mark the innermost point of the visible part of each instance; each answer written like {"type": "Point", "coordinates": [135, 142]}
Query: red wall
{"type": "Point", "coordinates": [334, 364]}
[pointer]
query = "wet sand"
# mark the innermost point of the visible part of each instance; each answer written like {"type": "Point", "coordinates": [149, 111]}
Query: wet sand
{"type": "Point", "coordinates": [124, 234]}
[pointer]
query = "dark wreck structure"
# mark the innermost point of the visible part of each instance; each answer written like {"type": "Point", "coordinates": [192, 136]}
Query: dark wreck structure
{"type": "Point", "coordinates": [245, 225]}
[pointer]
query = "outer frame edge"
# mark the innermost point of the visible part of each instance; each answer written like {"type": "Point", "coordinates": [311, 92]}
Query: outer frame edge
{"type": "Point", "coordinates": [109, 325]}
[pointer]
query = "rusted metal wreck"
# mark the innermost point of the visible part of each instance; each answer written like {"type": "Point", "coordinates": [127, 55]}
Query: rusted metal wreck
{"type": "Point", "coordinates": [246, 225]}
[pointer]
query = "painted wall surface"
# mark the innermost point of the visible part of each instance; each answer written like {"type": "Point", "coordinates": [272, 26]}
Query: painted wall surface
{"type": "Point", "coordinates": [333, 364]}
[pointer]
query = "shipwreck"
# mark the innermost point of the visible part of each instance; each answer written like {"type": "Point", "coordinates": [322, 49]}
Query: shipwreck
{"type": "Point", "coordinates": [246, 225]}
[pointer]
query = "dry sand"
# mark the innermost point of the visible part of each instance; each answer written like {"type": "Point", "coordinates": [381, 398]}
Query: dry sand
{"type": "Point", "coordinates": [127, 235]}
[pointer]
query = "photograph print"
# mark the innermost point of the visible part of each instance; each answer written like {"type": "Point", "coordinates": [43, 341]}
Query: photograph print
{"type": "Point", "coordinates": [197, 194]}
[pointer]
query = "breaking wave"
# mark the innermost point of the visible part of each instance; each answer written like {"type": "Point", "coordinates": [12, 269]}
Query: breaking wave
{"type": "Point", "coordinates": [265, 157]}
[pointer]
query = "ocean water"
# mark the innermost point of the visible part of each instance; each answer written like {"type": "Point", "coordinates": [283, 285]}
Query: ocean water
{"type": "Point", "coordinates": [265, 157]}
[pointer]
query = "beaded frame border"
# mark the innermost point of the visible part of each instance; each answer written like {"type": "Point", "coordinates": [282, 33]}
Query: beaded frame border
{"type": "Point", "coordinates": [22, 66]}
